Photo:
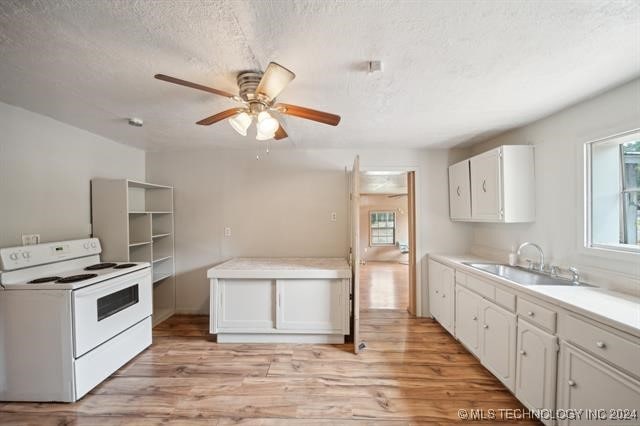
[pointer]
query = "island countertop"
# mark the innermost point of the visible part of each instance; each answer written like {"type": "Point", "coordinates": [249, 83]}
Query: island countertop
{"type": "Point", "coordinates": [282, 268]}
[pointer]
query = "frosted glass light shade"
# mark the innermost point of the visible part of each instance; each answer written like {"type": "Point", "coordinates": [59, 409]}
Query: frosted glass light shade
{"type": "Point", "coordinates": [264, 136]}
{"type": "Point", "coordinates": [267, 125]}
{"type": "Point", "coordinates": [241, 123]}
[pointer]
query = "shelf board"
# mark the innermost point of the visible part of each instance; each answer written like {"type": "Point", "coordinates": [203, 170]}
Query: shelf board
{"type": "Point", "coordinates": [150, 212]}
{"type": "Point", "coordinates": [161, 235]}
{"type": "Point", "coordinates": [162, 259]}
{"type": "Point", "coordinates": [160, 277]}
{"type": "Point", "coordinates": [145, 185]}
{"type": "Point", "coordinates": [140, 243]}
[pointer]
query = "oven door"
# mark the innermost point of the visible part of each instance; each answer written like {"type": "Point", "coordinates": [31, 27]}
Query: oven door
{"type": "Point", "coordinates": [103, 310]}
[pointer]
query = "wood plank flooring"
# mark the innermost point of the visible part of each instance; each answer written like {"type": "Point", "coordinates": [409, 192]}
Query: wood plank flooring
{"type": "Point", "coordinates": [384, 285]}
{"type": "Point", "coordinates": [412, 372]}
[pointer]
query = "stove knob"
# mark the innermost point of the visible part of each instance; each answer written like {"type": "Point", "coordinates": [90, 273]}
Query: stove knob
{"type": "Point", "coordinates": [86, 246]}
{"type": "Point", "coordinates": [93, 244]}
{"type": "Point", "coordinates": [13, 256]}
{"type": "Point", "coordinates": [26, 254]}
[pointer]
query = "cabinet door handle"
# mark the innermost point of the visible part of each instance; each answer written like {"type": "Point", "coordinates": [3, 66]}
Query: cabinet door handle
{"type": "Point", "coordinates": [458, 190]}
{"type": "Point", "coordinates": [444, 295]}
{"type": "Point", "coordinates": [437, 292]}
{"type": "Point", "coordinates": [571, 383]}
{"type": "Point", "coordinates": [531, 313]}
{"type": "Point", "coordinates": [523, 353]}
{"type": "Point", "coordinates": [600, 344]}
{"type": "Point", "coordinates": [485, 326]}
{"type": "Point", "coordinates": [484, 185]}
{"type": "Point", "coordinates": [475, 318]}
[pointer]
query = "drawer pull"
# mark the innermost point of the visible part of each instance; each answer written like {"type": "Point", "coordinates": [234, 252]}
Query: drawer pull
{"type": "Point", "coordinates": [523, 353]}
{"type": "Point", "coordinates": [444, 295]}
{"type": "Point", "coordinates": [475, 318]}
{"type": "Point", "coordinates": [600, 344]}
{"type": "Point", "coordinates": [571, 383]}
{"type": "Point", "coordinates": [531, 313]}
{"type": "Point", "coordinates": [485, 326]}
{"type": "Point", "coordinates": [437, 292]}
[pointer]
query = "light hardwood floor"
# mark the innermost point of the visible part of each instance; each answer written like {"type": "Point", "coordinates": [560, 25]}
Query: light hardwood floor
{"type": "Point", "coordinates": [412, 372]}
{"type": "Point", "coordinates": [384, 285]}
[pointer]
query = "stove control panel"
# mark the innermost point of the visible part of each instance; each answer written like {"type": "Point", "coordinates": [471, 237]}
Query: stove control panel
{"type": "Point", "coordinates": [40, 254]}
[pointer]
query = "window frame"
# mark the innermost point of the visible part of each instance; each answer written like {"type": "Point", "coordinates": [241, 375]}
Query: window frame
{"type": "Point", "coordinates": [620, 249]}
{"type": "Point", "coordinates": [371, 228]}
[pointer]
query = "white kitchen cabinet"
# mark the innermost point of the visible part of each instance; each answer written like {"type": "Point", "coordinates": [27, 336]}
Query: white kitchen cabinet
{"type": "Point", "coordinates": [246, 304]}
{"type": "Point", "coordinates": [587, 383]}
{"type": "Point", "coordinates": [536, 367]}
{"type": "Point", "coordinates": [467, 323]}
{"type": "Point", "coordinates": [486, 193]}
{"type": "Point", "coordinates": [501, 186]}
{"type": "Point", "coordinates": [317, 305]}
{"type": "Point", "coordinates": [460, 191]}
{"type": "Point", "coordinates": [441, 294]}
{"type": "Point", "coordinates": [280, 300]}
{"type": "Point", "coordinates": [498, 342]}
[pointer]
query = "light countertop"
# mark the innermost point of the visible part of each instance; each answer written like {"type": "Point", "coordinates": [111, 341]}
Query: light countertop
{"type": "Point", "coordinates": [282, 267]}
{"type": "Point", "coordinates": [616, 309]}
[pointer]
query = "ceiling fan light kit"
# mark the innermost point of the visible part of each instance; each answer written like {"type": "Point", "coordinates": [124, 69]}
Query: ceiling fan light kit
{"type": "Point", "coordinates": [257, 94]}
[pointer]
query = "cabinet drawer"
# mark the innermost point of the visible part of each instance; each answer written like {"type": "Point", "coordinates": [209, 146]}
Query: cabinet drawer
{"type": "Point", "coordinates": [602, 343]}
{"type": "Point", "coordinates": [537, 314]}
{"type": "Point", "coordinates": [482, 287]}
{"type": "Point", "coordinates": [506, 299]}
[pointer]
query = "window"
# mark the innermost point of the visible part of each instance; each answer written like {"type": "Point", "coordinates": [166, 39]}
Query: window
{"type": "Point", "coordinates": [382, 226]}
{"type": "Point", "coordinates": [613, 184]}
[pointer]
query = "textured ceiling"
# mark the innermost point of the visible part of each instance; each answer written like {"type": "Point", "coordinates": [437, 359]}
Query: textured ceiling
{"type": "Point", "coordinates": [454, 71]}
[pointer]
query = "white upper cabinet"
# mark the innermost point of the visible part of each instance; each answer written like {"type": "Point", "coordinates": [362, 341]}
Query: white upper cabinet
{"type": "Point", "coordinates": [460, 191]}
{"type": "Point", "coordinates": [495, 186]}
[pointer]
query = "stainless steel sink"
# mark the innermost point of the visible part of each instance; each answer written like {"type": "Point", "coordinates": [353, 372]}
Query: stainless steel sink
{"type": "Point", "coordinates": [522, 276]}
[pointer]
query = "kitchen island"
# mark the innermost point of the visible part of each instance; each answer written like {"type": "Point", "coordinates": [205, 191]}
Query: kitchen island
{"type": "Point", "coordinates": [280, 300]}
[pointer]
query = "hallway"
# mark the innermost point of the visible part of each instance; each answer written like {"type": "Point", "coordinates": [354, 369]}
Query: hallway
{"type": "Point", "coordinates": [384, 285]}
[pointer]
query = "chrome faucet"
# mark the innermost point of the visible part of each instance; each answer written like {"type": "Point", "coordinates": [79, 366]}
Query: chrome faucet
{"type": "Point", "coordinates": [575, 278]}
{"type": "Point", "coordinates": [540, 254]}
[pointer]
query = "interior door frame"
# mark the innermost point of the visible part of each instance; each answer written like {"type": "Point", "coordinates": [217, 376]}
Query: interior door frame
{"type": "Point", "coordinates": [419, 286]}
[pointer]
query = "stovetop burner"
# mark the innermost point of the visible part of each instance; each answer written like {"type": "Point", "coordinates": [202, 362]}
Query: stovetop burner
{"type": "Point", "coordinates": [98, 266]}
{"type": "Point", "coordinates": [44, 280]}
{"type": "Point", "coordinates": [76, 278]}
{"type": "Point", "coordinates": [124, 266]}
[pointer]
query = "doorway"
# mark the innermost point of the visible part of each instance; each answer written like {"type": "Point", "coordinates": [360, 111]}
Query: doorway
{"type": "Point", "coordinates": [387, 227]}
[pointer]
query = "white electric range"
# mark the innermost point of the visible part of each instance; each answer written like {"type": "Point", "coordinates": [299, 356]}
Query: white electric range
{"type": "Point", "coordinates": [68, 320]}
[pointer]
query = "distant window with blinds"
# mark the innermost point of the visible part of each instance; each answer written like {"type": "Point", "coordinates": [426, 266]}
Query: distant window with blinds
{"type": "Point", "coordinates": [382, 228]}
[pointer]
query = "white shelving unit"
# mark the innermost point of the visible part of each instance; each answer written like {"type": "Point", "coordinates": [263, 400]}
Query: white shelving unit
{"type": "Point", "coordinates": [134, 222]}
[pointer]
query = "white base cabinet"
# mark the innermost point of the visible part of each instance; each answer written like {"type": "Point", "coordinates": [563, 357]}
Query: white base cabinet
{"type": "Point", "coordinates": [441, 294]}
{"type": "Point", "coordinates": [537, 358]}
{"type": "Point", "coordinates": [588, 384]}
{"type": "Point", "coordinates": [280, 300]}
{"type": "Point", "coordinates": [468, 319]}
{"type": "Point", "coordinates": [498, 342]}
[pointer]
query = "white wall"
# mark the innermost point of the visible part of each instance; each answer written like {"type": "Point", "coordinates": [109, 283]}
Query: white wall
{"type": "Point", "coordinates": [558, 140]}
{"type": "Point", "coordinates": [45, 172]}
{"type": "Point", "coordinates": [281, 206]}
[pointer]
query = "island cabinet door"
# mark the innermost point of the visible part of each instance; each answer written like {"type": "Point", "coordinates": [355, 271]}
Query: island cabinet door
{"type": "Point", "coordinates": [313, 305]}
{"type": "Point", "coordinates": [246, 305]}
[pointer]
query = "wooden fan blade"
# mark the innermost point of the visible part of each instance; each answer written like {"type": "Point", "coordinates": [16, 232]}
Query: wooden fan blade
{"type": "Point", "coordinates": [274, 80]}
{"type": "Point", "coordinates": [280, 133]}
{"type": "Point", "coordinates": [193, 85]}
{"type": "Point", "coordinates": [309, 114]}
{"type": "Point", "coordinates": [220, 116]}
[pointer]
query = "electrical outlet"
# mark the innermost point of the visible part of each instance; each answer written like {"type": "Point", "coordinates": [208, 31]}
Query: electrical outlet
{"type": "Point", "coordinates": [30, 239]}
{"type": "Point", "coordinates": [227, 231]}
{"type": "Point", "coordinates": [334, 216]}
